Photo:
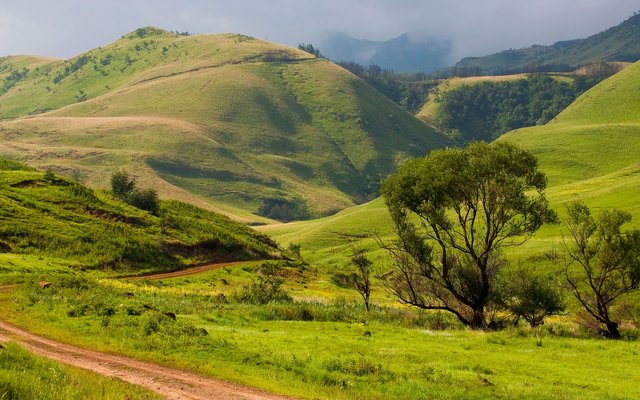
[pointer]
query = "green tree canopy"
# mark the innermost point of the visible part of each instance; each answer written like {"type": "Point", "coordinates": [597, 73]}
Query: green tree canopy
{"type": "Point", "coordinates": [453, 213]}
{"type": "Point", "coordinates": [605, 261]}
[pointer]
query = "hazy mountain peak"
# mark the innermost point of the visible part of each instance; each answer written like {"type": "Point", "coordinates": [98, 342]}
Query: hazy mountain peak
{"type": "Point", "coordinates": [402, 53]}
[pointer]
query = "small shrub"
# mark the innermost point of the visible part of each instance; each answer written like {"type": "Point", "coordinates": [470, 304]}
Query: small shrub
{"type": "Point", "coordinates": [145, 200]}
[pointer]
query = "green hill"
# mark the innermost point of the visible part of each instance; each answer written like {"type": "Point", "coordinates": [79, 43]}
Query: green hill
{"type": "Point", "coordinates": [51, 223]}
{"type": "Point", "coordinates": [223, 121]}
{"type": "Point", "coordinates": [619, 43]}
{"type": "Point", "coordinates": [597, 135]}
{"type": "Point", "coordinates": [590, 152]}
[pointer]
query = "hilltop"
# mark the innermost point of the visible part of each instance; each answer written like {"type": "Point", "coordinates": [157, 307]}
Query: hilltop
{"type": "Point", "coordinates": [618, 43]}
{"type": "Point", "coordinates": [226, 122]}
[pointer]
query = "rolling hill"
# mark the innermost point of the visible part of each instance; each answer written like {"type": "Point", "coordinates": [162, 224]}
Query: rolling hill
{"type": "Point", "coordinates": [226, 122]}
{"type": "Point", "coordinates": [619, 43]}
{"type": "Point", "coordinates": [51, 224]}
{"type": "Point", "coordinates": [590, 152]}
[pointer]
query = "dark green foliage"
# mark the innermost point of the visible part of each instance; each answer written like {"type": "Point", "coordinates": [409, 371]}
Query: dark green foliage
{"type": "Point", "coordinates": [285, 210]}
{"type": "Point", "coordinates": [604, 262]}
{"type": "Point", "coordinates": [121, 185]}
{"type": "Point", "coordinates": [13, 78]}
{"type": "Point", "coordinates": [309, 48]}
{"type": "Point", "coordinates": [125, 189]}
{"type": "Point", "coordinates": [470, 203]}
{"type": "Point", "coordinates": [76, 64]}
{"type": "Point", "coordinates": [146, 199]}
{"type": "Point", "coordinates": [486, 110]}
{"type": "Point", "coordinates": [408, 90]}
{"type": "Point", "coordinates": [530, 296]}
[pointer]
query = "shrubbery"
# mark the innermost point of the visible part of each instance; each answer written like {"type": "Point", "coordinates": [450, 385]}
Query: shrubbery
{"type": "Point", "coordinates": [125, 189]}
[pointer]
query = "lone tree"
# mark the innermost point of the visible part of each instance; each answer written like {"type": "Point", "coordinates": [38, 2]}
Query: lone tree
{"type": "Point", "coordinates": [608, 260]}
{"type": "Point", "coordinates": [361, 278]}
{"type": "Point", "coordinates": [121, 185]}
{"type": "Point", "coordinates": [470, 204]}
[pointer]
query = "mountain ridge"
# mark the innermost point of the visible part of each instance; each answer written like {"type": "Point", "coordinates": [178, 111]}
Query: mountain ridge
{"type": "Point", "coordinates": [618, 43]}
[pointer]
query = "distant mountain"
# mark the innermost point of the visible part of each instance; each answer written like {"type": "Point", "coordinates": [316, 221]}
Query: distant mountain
{"type": "Point", "coordinates": [619, 43]}
{"type": "Point", "coordinates": [227, 122]}
{"type": "Point", "coordinates": [401, 54]}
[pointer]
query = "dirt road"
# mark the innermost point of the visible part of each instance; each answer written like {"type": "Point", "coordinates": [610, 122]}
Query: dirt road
{"type": "Point", "coordinates": [184, 272]}
{"type": "Point", "coordinates": [172, 383]}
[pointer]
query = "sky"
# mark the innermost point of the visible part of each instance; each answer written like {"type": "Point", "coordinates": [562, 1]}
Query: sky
{"type": "Point", "coordinates": [65, 28]}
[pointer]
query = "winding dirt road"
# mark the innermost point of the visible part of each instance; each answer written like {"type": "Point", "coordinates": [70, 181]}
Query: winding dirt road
{"type": "Point", "coordinates": [183, 272]}
{"type": "Point", "coordinates": [169, 382]}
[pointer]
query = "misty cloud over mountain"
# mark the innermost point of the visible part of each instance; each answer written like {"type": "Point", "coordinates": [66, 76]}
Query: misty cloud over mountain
{"type": "Point", "coordinates": [401, 54]}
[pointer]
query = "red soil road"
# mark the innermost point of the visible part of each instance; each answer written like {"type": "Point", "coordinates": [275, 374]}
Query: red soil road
{"type": "Point", "coordinates": [7, 288]}
{"type": "Point", "coordinates": [169, 382]}
{"type": "Point", "coordinates": [183, 272]}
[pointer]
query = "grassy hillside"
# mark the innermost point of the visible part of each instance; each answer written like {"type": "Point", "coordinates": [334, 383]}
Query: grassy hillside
{"type": "Point", "coordinates": [591, 152]}
{"type": "Point", "coordinates": [224, 121]}
{"type": "Point", "coordinates": [50, 223]}
{"type": "Point", "coordinates": [619, 43]}
{"type": "Point", "coordinates": [597, 135]}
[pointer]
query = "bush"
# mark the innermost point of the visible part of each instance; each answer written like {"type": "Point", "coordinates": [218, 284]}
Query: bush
{"type": "Point", "coordinates": [266, 289]}
{"type": "Point", "coordinates": [530, 297]}
{"type": "Point", "coordinates": [124, 188]}
{"type": "Point", "coordinates": [145, 200]}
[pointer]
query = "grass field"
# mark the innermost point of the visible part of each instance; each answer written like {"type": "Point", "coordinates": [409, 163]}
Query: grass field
{"type": "Point", "coordinates": [334, 350]}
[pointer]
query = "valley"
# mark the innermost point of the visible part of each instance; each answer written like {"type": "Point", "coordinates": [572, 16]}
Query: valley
{"type": "Point", "coordinates": [269, 163]}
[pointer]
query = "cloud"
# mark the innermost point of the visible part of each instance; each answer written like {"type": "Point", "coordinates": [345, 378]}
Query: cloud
{"type": "Point", "coordinates": [69, 27]}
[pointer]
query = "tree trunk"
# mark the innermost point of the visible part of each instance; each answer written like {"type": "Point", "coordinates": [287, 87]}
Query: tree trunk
{"type": "Point", "coordinates": [477, 320]}
{"type": "Point", "coordinates": [612, 330]}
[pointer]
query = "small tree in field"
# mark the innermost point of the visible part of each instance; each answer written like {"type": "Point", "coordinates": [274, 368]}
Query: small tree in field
{"type": "Point", "coordinates": [530, 296]}
{"type": "Point", "coordinates": [453, 213]}
{"type": "Point", "coordinates": [122, 185]}
{"type": "Point", "coordinates": [361, 279]}
{"type": "Point", "coordinates": [146, 199]}
{"type": "Point", "coordinates": [607, 260]}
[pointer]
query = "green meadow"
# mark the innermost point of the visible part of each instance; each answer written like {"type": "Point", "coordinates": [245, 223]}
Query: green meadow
{"type": "Point", "coordinates": [331, 349]}
{"type": "Point", "coordinates": [276, 321]}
